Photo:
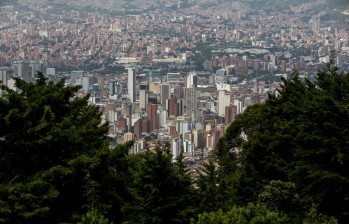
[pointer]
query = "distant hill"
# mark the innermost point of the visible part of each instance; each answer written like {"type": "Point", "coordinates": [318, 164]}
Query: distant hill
{"type": "Point", "coordinates": [276, 4]}
{"type": "Point", "coordinates": [280, 5]}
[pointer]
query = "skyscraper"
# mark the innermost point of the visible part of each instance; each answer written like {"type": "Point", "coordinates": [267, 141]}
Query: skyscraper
{"type": "Point", "coordinates": [224, 100]}
{"type": "Point", "coordinates": [131, 85]}
{"type": "Point", "coordinates": [178, 91]}
{"type": "Point", "coordinates": [115, 87]}
{"type": "Point", "coordinates": [3, 78]}
{"type": "Point", "coordinates": [143, 98]}
{"type": "Point", "coordinates": [3, 75]}
{"type": "Point", "coordinates": [145, 125]}
{"type": "Point", "coordinates": [138, 129]}
{"type": "Point", "coordinates": [172, 107]}
{"type": "Point", "coordinates": [36, 67]}
{"type": "Point", "coordinates": [165, 93]}
{"type": "Point", "coordinates": [22, 70]}
{"type": "Point", "coordinates": [230, 114]}
{"type": "Point", "coordinates": [86, 83]}
{"type": "Point", "coordinates": [176, 148]}
{"type": "Point", "coordinates": [192, 80]}
{"type": "Point", "coordinates": [190, 100]}
{"type": "Point", "coordinates": [152, 116]}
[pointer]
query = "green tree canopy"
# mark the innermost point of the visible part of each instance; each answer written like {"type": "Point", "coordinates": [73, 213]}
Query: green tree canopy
{"type": "Point", "coordinates": [163, 191]}
{"type": "Point", "coordinates": [45, 125]}
{"type": "Point", "coordinates": [54, 161]}
{"type": "Point", "coordinates": [299, 135]}
{"type": "Point", "coordinates": [250, 214]}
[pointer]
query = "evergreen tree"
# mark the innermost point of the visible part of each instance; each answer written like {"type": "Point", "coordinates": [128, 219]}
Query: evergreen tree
{"type": "Point", "coordinates": [54, 160]}
{"type": "Point", "coordinates": [249, 214]}
{"type": "Point", "coordinates": [94, 217]}
{"type": "Point", "coordinates": [162, 191]}
{"type": "Point", "coordinates": [45, 125]}
{"type": "Point", "coordinates": [298, 135]}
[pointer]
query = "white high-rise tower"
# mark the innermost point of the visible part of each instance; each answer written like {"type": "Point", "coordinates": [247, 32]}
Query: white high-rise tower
{"type": "Point", "coordinates": [192, 80]}
{"type": "Point", "coordinates": [3, 78]}
{"type": "Point", "coordinates": [131, 85]}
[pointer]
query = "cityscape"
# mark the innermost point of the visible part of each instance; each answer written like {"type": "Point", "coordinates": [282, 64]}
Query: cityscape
{"type": "Point", "coordinates": [174, 73]}
{"type": "Point", "coordinates": [174, 111]}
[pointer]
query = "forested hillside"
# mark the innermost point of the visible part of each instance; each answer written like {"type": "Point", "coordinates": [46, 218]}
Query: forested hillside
{"type": "Point", "coordinates": [283, 161]}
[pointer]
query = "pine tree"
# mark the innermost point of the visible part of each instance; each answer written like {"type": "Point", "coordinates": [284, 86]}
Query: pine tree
{"type": "Point", "coordinates": [299, 135]}
{"type": "Point", "coordinates": [45, 125]}
{"type": "Point", "coordinates": [244, 215]}
{"type": "Point", "coordinates": [162, 191]}
{"type": "Point", "coordinates": [54, 160]}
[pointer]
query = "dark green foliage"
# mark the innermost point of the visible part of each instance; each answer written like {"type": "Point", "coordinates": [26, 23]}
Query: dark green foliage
{"type": "Point", "coordinates": [208, 188]}
{"type": "Point", "coordinates": [298, 138]}
{"type": "Point", "coordinates": [313, 217]}
{"type": "Point", "coordinates": [163, 192]}
{"type": "Point", "coordinates": [46, 125]}
{"type": "Point", "coordinates": [279, 196]}
{"type": "Point", "coordinates": [94, 217]}
{"type": "Point", "coordinates": [250, 214]}
{"type": "Point", "coordinates": [213, 190]}
{"type": "Point", "coordinates": [259, 213]}
{"type": "Point", "coordinates": [54, 164]}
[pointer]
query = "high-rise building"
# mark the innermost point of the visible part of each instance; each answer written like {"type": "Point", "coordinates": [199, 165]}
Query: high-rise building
{"type": "Point", "coordinates": [165, 93]}
{"type": "Point", "coordinates": [115, 87]}
{"type": "Point", "coordinates": [239, 106]}
{"type": "Point", "coordinates": [178, 91]}
{"type": "Point", "coordinates": [176, 148]}
{"type": "Point", "coordinates": [3, 78]}
{"type": "Point", "coordinates": [86, 83]}
{"type": "Point", "coordinates": [190, 100]}
{"type": "Point", "coordinates": [36, 67]}
{"type": "Point", "coordinates": [162, 117]}
{"type": "Point", "coordinates": [26, 72]}
{"type": "Point", "coordinates": [22, 70]}
{"type": "Point", "coordinates": [198, 138]}
{"type": "Point", "coordinates": [145, 125]}
{"type": "Point", "coordinates": [143, 98]}
{"type": "Point", "coordinates": [192, 80]}
{"type": "Point", "coordinates": [131, 81]}
{"type": "Point", "coordinates": [152, 116]}
{"type": "Point", "coordinates": [180, 106]}
{"type": "Point", "coordinates": [224, 100]}
{"type": "Point", "coordinates": [230, 114]}
{"type": "Point", "coordinates": [172, 107]}
{"type": "Point", "coordinates": [122, 124]}
{"type": "Point", "coordinates": [138, 129]}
